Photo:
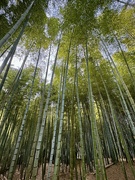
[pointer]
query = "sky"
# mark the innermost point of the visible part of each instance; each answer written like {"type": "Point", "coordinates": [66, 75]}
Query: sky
{"type": "Point", "coordinates": [53, 11]}
{"type": "Point", "coordinates": [31, 60]}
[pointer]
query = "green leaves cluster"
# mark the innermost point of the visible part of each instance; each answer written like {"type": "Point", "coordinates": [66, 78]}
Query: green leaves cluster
{"type": "Point", "coordinates": [91, 100]}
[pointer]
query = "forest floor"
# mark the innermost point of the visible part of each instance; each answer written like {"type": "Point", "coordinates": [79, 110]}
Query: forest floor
{"type": "Point", "coordinates": [114, 172]}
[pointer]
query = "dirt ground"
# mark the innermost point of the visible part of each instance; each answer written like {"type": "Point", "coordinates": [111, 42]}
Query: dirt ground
{"type": "Point", "coordinates": [114, 172]}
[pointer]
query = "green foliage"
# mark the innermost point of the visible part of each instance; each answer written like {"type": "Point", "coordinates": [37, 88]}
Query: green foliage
{"type": "Point", "coordinates": [53, 27]}
{"type": "Point", "coordinates": [99, 85]}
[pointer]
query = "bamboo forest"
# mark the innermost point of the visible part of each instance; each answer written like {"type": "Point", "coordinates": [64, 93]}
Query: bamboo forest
{"type": "Point", "coordinates": [67, 89]}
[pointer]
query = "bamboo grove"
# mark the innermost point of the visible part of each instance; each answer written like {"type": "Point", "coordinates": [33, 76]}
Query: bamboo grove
{"type": "Point", "coordinates": [79, 116]}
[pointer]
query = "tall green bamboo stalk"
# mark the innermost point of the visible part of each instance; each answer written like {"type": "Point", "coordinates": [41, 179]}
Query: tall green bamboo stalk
{"type": "Point", "coordinates": [10, 56]}
{"type": "Point", "coordinates": [100, 170]}
{"type": "Point", "coordinates": [41, 132]}
{"type": "Point", "coordinates": [20, 135]}
{"type": "Point", "coordinates": [54, 131]}
{"type": "Point", "coordinates": [41, 106]}
{"type": "Point", "coordinates": [58, 150]}
{"type": "Point", "coordinates": [80, 125]}
{"type": "Point", "coordinates": [16, 26]}
{"type": "Point", "coordinates": [118, 133]}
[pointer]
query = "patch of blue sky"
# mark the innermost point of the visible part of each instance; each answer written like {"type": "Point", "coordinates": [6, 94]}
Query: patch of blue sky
{"type": "Point", "coordinates": [52, 11]}
{"type": "Point", "coordinates": [54, 7]}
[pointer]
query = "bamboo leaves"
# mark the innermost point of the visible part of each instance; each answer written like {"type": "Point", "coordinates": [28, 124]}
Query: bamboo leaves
{"type": "Point", "coordinates": [83, 118]}
{"type": "Point", "coordinates": [15, 27]}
